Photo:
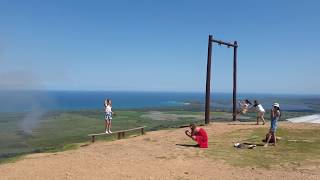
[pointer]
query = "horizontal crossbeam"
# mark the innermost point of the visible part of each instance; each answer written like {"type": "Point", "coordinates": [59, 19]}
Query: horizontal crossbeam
{"type": "Point", "coordinates": [224, 43]}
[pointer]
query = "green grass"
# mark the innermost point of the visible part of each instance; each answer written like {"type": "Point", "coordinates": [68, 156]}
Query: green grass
{"type": "Point", "coordinates": [11, 159]}
{"type": "Point", "coordinates": [286, 153]}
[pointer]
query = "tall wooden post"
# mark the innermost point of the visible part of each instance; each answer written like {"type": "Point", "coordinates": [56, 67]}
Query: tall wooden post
{"type": "Point", "coordinates": [207, 106]}
{"type": "Point", "coordinates": [235, 47]}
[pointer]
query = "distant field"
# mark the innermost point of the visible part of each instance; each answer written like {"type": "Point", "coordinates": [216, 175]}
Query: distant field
{"type": "Point", "coordinates": [55, 131]}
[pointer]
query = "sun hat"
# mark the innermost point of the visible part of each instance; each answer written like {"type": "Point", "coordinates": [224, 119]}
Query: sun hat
{"type": "Point", "coordinates": [276, 105]}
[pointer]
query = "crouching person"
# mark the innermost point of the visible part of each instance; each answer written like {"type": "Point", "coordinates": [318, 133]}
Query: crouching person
{"type": "Point", "coordinates": [199, 135]}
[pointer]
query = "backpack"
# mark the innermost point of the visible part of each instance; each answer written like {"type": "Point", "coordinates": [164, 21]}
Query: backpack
{"type": "Point", "coordinates": [267, 137]}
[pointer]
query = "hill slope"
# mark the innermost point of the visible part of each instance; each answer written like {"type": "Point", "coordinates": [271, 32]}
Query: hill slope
{"type": "Point", "coordinates": [156, 155]}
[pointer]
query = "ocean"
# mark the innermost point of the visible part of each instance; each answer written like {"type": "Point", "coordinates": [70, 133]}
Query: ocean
{"type": "Point", "coordinates": [23, 101]}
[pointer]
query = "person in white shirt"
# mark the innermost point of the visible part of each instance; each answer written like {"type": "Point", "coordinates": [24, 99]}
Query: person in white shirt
{"type": "Point", "coordinates": [259, 109]}
{"type": "Point", "coordinates": [108, 115]}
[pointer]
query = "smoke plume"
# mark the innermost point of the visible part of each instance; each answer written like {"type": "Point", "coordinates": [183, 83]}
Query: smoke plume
{"type": "Point", "coordinates": [18, 94]}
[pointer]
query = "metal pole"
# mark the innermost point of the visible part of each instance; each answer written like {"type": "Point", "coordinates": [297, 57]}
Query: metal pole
{"type": "Point", "coordinates": [235, 81]}
{"type": "Point", "coordinates": [207, 106]}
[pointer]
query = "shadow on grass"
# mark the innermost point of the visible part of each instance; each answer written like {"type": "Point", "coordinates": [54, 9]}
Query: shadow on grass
{"type": "Point", "coordinates": [244, 123]}
{"type": "Point", "coordinates": [188, 145]}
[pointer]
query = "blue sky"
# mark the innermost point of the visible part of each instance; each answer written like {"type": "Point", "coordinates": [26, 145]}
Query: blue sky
{"type": "Point", "coordinates": [159, 45]}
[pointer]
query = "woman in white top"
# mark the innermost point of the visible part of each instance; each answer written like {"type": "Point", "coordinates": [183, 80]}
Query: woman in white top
{"type": "Point", "coordinates": [108, 115]}
{"type": "Point", "coordinates": [259, 109]}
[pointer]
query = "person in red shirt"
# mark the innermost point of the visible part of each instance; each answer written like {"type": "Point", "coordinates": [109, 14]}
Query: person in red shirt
{"type": "Point", "coordinates": [199, 135]}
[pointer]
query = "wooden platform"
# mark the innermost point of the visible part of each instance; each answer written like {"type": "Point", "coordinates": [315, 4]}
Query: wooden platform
{"type": "Point", "coordinates": [121, 133]}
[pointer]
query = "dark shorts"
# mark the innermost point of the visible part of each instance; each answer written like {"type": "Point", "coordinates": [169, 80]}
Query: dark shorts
{"type": "Point", "coordinates": [108, 116]}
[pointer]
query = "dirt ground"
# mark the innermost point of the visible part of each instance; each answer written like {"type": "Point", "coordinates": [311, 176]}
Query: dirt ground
{"type": "Point", "coordinates": [151, 156]}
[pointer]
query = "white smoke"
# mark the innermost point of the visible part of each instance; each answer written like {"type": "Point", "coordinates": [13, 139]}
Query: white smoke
{"type": "Point", "coordinates": [32, 119]}
{"type": "Point", "coordinates": [18, 89]}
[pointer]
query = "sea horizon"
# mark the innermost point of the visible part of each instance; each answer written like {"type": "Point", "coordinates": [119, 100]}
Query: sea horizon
{"type": "Point", "coordinates": [160, 91]}
{"type": "Point", "coordinates": [28, 100]}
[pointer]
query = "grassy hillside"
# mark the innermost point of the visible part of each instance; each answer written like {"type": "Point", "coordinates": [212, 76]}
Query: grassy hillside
{"type": "Point", "coordinates": [297, 147]}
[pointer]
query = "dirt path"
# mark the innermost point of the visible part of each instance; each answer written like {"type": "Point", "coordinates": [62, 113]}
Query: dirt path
{"type": "Point", "coordinates": [152, 156]}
